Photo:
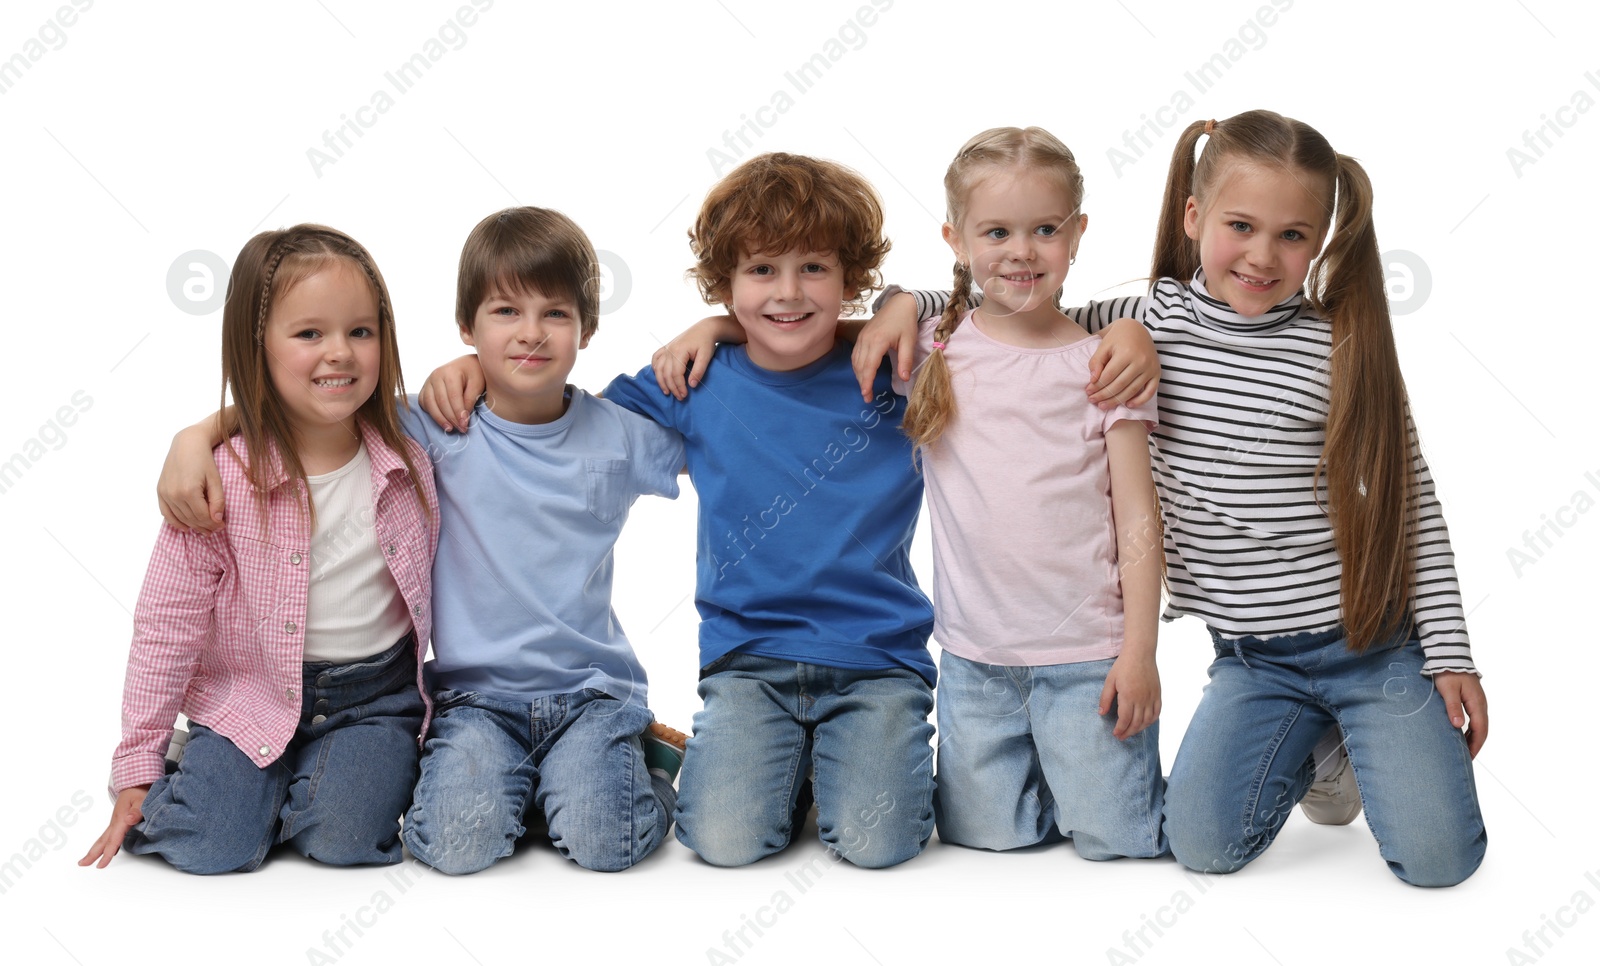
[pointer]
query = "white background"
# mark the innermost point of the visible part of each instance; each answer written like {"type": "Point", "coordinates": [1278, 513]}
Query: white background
{"type": "Point", "coordinates": [146, 135]}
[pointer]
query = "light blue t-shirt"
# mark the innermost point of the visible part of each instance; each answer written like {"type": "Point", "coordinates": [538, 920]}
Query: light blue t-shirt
{"type": "Point", "coordinates": [808, 501]}
{"type": "Point", "coordinates": [528, 518]}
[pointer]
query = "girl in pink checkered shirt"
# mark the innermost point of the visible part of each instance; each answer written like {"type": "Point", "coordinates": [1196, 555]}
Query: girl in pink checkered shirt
{"type": "Point", "coordinates": [292, 639]}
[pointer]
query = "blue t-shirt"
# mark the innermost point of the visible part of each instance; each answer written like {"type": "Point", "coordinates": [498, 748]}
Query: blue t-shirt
{"type": "Point", "coordinates": [808, 501]}
{"type": "Point", "coordinates": [528, 517]}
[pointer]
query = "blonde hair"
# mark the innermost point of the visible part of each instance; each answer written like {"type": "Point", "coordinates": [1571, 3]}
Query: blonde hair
{"type": "Point", "coordinates": [268, 266]}
{"type": "Point", "coordinates": [932, 403]}
{"type": "Point", "coordinates": [1366, 456]}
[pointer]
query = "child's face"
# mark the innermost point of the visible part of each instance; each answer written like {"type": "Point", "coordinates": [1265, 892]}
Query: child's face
{"type": "Point", "coordinates": [789, 307]}
{"type": "Point", "coordinates": [527, 343]}
{"type": "Point", "coordinates": [321, 340]}
{"type": "Point", "coordinates": [1258, 231]}
{"type": "Point", "coordinates": [1019, 235]}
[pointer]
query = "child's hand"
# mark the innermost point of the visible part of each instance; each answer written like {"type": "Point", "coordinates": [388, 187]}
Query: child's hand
{"type": "Point", "coordinates": [893, 328]}
{"type": "Point", "coordinates": [451, 391]}
{"type": "Point", "coordinates": [1125, 369]}
{"type": "Point", "coordinates": [190, 489]}
{"type": "Point", "coordinates": [127, 813]}
{"type": "Point", "coordinates": [1136, 685]}
{"type": "Point", "coordinates": [696, 344]}
{"type": "Point", "coordinates": [1467, 705]}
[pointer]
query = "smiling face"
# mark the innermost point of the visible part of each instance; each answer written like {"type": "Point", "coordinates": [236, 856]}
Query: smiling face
{"type": "Point", "coordinates": [322, 346]}
{"type": "Point", "coordinates": [527, 343]}
{"type": "Point", "coordinates": [1019, 232]}
{"type": "Point", "coordinates": [1259, 229]}
{"type": "Point", "coordinates": [788, 306]}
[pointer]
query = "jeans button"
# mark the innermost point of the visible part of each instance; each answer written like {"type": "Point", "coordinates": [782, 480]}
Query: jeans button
{"type": "Point", "coordinates": [319, 719]}
{"type": "Point", "coordinates": [322, 704]}
{"type": "Point", "coordinates": [322, 680]}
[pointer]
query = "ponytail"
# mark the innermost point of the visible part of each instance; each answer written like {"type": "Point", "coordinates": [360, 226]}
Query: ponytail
{"type": "Point", "coordinates": [1366, 459]}
{"type": "Point", "coordinates": [1176, 255]}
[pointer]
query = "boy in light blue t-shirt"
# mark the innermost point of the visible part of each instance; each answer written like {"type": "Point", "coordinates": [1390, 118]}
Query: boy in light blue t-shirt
{"type": "Point", "coordinates": [540, 700]}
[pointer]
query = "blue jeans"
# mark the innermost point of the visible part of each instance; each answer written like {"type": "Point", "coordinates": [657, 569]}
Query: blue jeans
{"type": "Point", "coordinates": [1026, 757]}
{"type": "Point", "coordinates": [335, 794]}
{"type": "Point", "coordinates": [764, 721]}
{"type": "Point", "coordinates": [1246, 760]}
{"type": "Point", "coordinates": [576, 757]}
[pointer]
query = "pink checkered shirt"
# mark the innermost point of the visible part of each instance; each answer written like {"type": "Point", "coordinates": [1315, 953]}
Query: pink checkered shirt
{"type": "Point", "coordinates": [219, 630]}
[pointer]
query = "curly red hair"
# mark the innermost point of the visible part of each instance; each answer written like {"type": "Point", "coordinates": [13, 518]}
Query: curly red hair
{"type": "Point", "coordinates": [777, 203]}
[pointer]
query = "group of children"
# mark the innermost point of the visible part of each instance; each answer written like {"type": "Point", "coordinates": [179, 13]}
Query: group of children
{"type": "Point", "coordinates": [1276, 490]}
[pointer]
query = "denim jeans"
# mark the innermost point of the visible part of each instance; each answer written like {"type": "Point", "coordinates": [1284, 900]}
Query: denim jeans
{"type": "Point", "coordinates": [576, 757]}
{"type": "Point", "coordinates": [335, 794]}
{"type": "Point", "coordinates": [1246, 759]}
{"type": "Point", "coordinates": [765, 721]}
{"type": "Point", "coordinates": [1026, 757]}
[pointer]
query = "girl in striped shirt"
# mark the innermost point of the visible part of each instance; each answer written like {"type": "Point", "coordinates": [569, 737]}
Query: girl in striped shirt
{"type": "Point", "coordinates": [292, 639]}
{"type": "Point", "coordinates": [1301, 522]}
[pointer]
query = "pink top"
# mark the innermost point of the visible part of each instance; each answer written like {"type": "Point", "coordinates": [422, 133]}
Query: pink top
{"type": "Point", "coordinates": [220, 624]}
{"type": "Point", "coordinates": [1019, 498]}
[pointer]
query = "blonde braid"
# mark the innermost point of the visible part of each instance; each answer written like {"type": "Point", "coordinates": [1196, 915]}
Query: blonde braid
{"type": "Point", "coordinates": [933, 404]}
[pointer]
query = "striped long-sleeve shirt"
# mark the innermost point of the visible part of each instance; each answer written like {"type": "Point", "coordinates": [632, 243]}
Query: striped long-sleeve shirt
{"type": "Point", "coordinates": [1243, 409]}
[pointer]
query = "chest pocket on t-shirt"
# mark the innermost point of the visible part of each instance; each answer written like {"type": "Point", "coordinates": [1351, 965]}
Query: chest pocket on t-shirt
{"type": "Point", "coordinates": [608, 488]}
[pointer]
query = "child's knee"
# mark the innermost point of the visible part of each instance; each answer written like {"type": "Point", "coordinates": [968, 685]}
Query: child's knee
{"type": "Point", "coordinates": [339, 844]}
{"type": "Point", "coordinates": [208, 846]}
{"type": "Point", "coordinates": [1440, 862]}
{"type": "Point", "coordinates": [454, 853]}
{"type": "Point", "coordinates": [610, 842]}
{"type": "Point", "coordinates": [459, 834]}
{"type": "Point", "coordinates": [1206, 847]}
{"type": "Point", "coordinates": [883, 853]}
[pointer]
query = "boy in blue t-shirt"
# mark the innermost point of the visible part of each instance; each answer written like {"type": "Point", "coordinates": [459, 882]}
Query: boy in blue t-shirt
{"type": "Point", "coordinates": [813, 634]}
{"type": "Point", "coordinates": [539, 700]}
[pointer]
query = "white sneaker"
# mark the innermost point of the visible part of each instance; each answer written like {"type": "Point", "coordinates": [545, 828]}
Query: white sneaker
{"type": "Point", "coordinates": [1333, 798]}
{"type": "Point", "coordinates": [180, 738]}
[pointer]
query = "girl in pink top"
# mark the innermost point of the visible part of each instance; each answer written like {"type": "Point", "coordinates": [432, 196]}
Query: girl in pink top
{"type": "Point", "coordinates": [1046, 559]}
{"type": "Point", "coordinates": [291, 639]}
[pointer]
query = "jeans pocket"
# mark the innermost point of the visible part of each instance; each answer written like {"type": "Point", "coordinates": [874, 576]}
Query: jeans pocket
{"type": "Point", "coordinates": [447, 698]}
{"type": "Point", "coordinates": [608, 488]}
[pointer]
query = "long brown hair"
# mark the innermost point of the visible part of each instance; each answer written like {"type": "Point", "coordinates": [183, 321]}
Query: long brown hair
{"type": "Point", "coordinates": [268, 266]}
{"type": "Point", "coordinates": [1366, 457]}
{"type": "Point", "coordinates": [932, 403]}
